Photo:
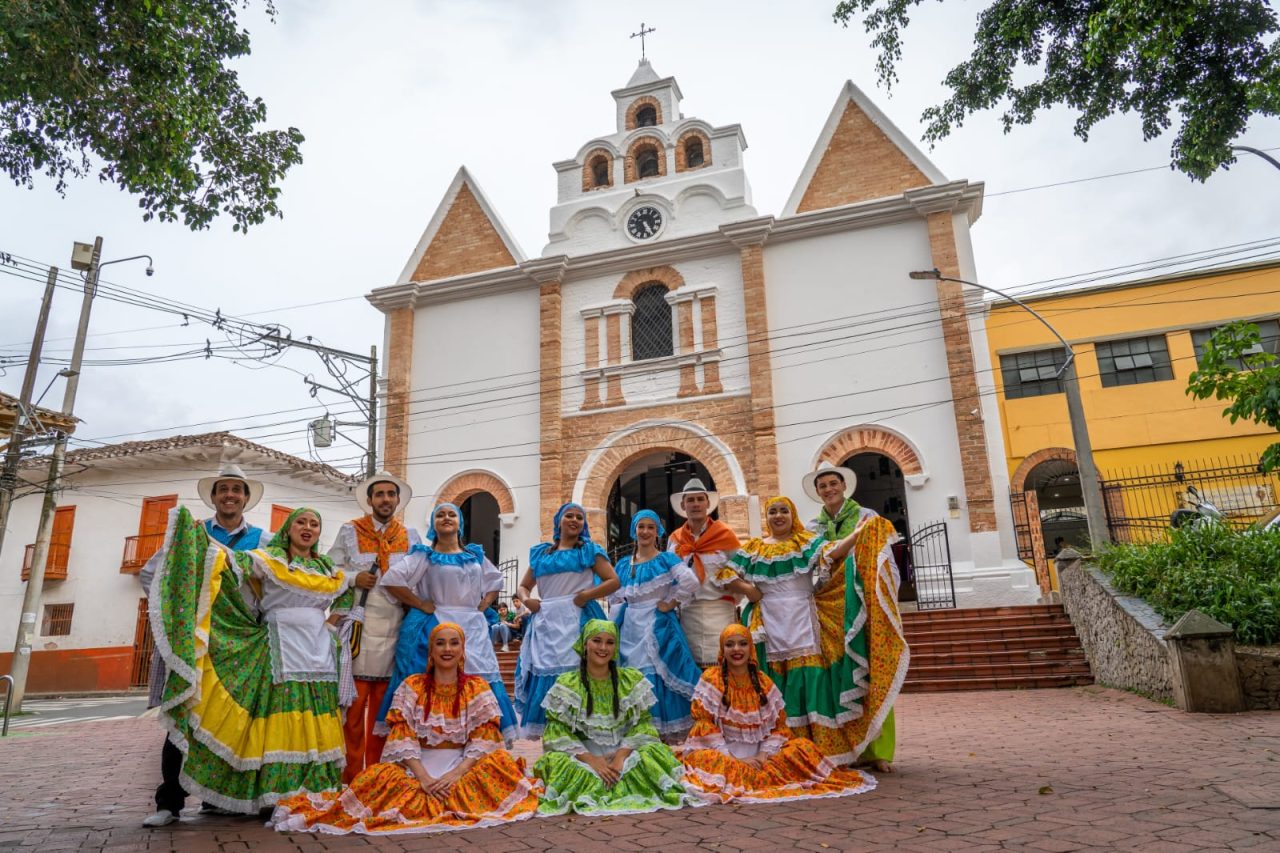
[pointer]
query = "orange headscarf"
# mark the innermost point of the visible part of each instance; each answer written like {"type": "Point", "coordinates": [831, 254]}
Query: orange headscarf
{"type": "Point", "coordinates": [797, 526]}
{"type": "Point", "coordinates": [737, 629]}
{"type": "Point", "coordinates": [462, 676]}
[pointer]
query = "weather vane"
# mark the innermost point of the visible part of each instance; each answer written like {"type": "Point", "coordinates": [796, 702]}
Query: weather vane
{"type": "Point", "coordinates": [640, 35]}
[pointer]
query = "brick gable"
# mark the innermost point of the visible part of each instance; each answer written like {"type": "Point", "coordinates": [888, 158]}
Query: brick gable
{"type": "Point", "coordinates": [467, 241]}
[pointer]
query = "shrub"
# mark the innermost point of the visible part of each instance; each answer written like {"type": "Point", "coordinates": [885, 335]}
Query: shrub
{"type": "Point", "coordinates": [1233, 577]}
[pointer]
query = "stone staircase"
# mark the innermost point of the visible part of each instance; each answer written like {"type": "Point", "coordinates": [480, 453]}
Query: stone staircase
{"type": "Point", "coordinates": [982, 648]}
{"type": "Point", "coordinates": [993, 648]}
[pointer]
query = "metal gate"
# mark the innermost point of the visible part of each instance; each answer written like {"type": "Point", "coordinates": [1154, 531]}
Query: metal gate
{"type": "Point", "coordinates": [143, 648]}
{"type": "Point", "coordinates": [928, 567]}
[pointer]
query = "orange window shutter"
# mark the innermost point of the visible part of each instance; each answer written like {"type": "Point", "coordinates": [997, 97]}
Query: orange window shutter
{"type": "Point", "coordinates": [155, 514]}
{"type": "Point", "coordinates": [278, 515]}
{"type": "Point", "coordinates": [64, 520]}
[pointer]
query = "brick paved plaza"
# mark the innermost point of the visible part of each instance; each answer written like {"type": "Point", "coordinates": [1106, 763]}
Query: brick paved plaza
{"type": "Point", "coordinates": [1052, 770]}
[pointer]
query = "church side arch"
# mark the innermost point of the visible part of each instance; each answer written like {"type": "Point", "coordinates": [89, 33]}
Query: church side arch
{"type": "Point", "coordinates": [1018, 482]}
{"type": "Point", "coordinates": [459, 487]}
{"type": "Point", "coordinates": [861, 439]}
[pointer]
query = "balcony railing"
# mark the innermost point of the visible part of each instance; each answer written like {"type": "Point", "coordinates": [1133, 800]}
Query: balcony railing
{"type": "Point", "coordinates": [139, 549]}
{"type": "Point", "coordinates": [55, 568]}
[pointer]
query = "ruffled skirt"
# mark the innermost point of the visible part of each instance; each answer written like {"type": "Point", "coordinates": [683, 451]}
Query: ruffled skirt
{"type": "Point", "coordinates": [797, 771]}
{"type": "Point", "coordinates": [650, 781]}
{"type": "Point", "coordinates": [385, 799]}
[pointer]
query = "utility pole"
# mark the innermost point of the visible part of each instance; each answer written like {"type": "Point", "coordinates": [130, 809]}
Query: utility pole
{"type": "Point", "coordinates": [22, 420]}
{"type": "Point", "coordinates": [1090, 485]}
{"type": "Point", "coordinates": [35, 583]}
{"type": "Point", "coordinates": [371, 467]}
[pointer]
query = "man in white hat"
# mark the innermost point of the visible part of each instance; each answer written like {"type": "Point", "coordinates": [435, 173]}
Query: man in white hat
{"type": "Point", "coordinates": [366, 547]}
{"type": "Point", "coordinates": [230, 494]}
{"type": "Point", "coordinates": [833, 487]}
{"type": "Point", "coordinates": [706, 544]}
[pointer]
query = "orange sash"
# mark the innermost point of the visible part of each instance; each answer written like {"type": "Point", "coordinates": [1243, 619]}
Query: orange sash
{"type": "Point", "coordinates": [718, 536]}
{"type": "Point", "coordinates": [392, 539]}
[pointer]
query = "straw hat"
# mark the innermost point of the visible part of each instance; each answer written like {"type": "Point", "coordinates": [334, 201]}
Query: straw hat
{"type": "Point", "coordinates": [362, 490]}
{"type": "Point", "coordinates": [695, 486]}
{"type": "Point", "coordinates": [229, 472]}
{"type": "Point", "coordinates": [811, 480]}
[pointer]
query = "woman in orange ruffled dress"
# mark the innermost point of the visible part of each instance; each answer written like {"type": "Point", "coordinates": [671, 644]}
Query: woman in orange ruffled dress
{"type": "Point", "coordinates": [444, 766]}
{"type": "Point", "coordinates": [740, 749]}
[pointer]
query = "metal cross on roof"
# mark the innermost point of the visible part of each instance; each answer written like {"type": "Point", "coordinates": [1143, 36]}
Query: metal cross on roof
{"type": "Point", "coordinates": [643, 32]}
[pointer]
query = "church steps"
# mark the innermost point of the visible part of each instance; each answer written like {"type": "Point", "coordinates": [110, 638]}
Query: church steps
{"type": "Point", "coordinates": [1018, 682]}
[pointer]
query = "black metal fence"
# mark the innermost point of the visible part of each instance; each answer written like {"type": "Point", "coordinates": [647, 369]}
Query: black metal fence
{"type": "Point", "coordinates": [1140, 502]}
{"type": "Point", "coordinates": [925, 568]}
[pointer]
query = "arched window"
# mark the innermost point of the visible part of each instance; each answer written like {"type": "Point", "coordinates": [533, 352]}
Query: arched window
{"type": "Point", "coordinates": [651, 323]}
{"type": "Point", "coordinates": [647, 163]}
{"type": "Point", "coordinates": [600, 171]}
{"type": "Point", "coordinates": [647, 116]}
{"type": "Point", "coordinates": [693, 155]}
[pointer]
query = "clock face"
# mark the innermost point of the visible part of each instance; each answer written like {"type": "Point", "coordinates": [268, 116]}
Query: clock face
{"type": "Point", "coordinates": [644, 223]}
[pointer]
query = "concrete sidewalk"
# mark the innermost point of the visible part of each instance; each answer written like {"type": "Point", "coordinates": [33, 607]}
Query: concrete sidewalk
{"type": "Point", "coordinates": [1049, 770]}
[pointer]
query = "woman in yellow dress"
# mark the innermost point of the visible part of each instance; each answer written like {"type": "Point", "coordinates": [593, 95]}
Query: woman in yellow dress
{"type": "Point", "coordinates": [444, 766]}
{"type": "Point", "coordinates": [740, 749]}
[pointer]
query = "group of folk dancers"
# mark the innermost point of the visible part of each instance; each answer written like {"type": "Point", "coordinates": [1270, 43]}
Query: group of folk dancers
{"type": "Point", "coordinates": [359, 690]}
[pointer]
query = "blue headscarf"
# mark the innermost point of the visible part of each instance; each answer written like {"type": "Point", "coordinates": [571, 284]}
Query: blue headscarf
{"type": "Point", "coordinates": [651, 516]}
{"type": "Point", "coordinates": [431, 522]}
{"type": "Point", "coordinates": [585, 536]}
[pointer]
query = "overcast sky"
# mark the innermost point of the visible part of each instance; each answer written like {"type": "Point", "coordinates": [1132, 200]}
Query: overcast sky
{"type": "Point", "coordinates": [394, 96]}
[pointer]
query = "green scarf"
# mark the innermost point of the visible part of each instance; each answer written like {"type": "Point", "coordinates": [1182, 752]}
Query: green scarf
{"type": "Point", "coordinates": [278, 547]}
{"type": "Point", "coordinates": [842, 525]}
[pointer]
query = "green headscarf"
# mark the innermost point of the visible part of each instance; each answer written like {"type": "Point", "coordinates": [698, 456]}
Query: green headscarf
{"type": "Point", "coordinates": [593, 627]}
{"type": "Point", "coordinates": [279, 544]}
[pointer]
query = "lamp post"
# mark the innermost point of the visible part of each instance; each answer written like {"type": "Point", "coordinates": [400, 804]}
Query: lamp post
{"type": "Point", "coordinates": [1090, 486]}
{"type": "Point", "coordinates": [1264, 155]}
{"type": "Point", "coordinates": [86, 258]}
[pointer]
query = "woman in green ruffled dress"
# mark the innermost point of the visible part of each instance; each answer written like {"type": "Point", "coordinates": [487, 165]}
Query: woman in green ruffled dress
{"type": "Point", "coordinates": [251, 698]}
{"type": "Point", "coordinates": [601, 752]}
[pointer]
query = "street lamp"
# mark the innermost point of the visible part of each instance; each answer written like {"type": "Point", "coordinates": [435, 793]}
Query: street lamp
{"type": "Point", "coordinates": [1090, 486]}
{"type": "Point", "coordinates": [1264, 155]}
{"type": "Point", "coordinates": [64, 373]}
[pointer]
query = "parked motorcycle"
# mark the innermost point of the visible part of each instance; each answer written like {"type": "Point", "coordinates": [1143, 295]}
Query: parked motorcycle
{"type": "Point", "coordinates": [1199, 511]}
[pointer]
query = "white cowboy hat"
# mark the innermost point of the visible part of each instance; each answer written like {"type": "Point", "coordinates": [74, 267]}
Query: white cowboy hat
{"type": "Point", "coordinates": [810, 480]}
{"type": "Point", "coordinates": [362, 490]}
{"type": "Point", "coordinates": [229, 472]}
{"type": "Point", "coordinates": [692, 487]}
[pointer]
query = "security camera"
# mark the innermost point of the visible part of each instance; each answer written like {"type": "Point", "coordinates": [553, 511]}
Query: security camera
{"type": "Point", "coordinates": [151, 271]}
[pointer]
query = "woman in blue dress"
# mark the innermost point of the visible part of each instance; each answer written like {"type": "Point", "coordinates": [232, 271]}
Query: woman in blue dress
{"type": "Point", "coordinates": [654, 582]}
{"type": "Point", "coordinates": [572, 574]}
{"type": "Point", "coordinates": [446, 581]}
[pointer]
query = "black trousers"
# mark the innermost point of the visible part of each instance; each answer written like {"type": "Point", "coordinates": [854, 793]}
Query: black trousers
{"type": "Point", "coordinates": [170, 795]}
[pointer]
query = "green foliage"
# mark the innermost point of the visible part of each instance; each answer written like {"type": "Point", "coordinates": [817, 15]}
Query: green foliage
{"type": "Point", "coordinates": [1232, 368]}
{"type": "Point", "coordinates": [144, 88]}
{"type": "Point", "coordinates": [1233, 577]}
{"type": "Point", "coordinates": [1214, 63]}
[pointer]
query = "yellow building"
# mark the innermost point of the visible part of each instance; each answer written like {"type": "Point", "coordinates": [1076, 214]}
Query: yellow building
{"type": "Point", "coordinates": [1136, 345]}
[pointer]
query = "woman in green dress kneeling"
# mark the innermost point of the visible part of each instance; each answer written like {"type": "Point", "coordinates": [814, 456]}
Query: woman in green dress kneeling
{"type": "Point", "coordinates": [602, 754]}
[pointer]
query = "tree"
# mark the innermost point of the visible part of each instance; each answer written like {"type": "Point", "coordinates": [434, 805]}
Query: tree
{"type": "Point", "coordinates": [1215, 63]}
{"type": "Point", "coordinates": [143, 88]}
{"type": "Point", "coordinates": [1236, 367]}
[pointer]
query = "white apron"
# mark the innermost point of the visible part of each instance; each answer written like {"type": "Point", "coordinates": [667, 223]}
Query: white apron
{"type": "Point", "coordinates": [378, 637]}
{"type": "Point", "coordinates": [301, 645]}
{"type": "Point", "coordinates": [548, 650]}
{"type": "Point", "coordinates": [790, 618]}
{"type": "Point", "coordinates": [702, 622]}
{"type": "Point", "coordinates": [481, 659]}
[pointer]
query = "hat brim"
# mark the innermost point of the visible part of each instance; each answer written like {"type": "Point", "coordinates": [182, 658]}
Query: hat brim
{"type": "Point", "coordinates": [362, 490]}
{"type": "Point", "coordinates": [205, 487]}
{"type": "Point", "coordinates": [712, 497]}
{"type": "Point", "coordinates": [811, 481]}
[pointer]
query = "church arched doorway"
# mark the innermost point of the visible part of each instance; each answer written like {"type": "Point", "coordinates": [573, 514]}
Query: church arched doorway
{"type": "Point", "coordinates": [648, 483]}
{"type": "Point", "coordinates": [481, 524]}
{"type": "Point", "coordinates": [880, 487]}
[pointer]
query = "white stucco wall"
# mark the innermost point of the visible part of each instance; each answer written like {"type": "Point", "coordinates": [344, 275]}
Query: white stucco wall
{"type": "Point", "coordinates": [108, 501]}
{"type": "Point", "coordinates": [877, 360]}
{"type": "Point", "coordinates": [474, 403]}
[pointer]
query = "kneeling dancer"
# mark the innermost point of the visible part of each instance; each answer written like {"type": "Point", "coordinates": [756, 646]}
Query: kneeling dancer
{"type": "Point", "coordinates": [601, 752]}
{"type": "Point", "coordinates": [445, 766]}
{"type": "Point", "coordinates": [740, 749]}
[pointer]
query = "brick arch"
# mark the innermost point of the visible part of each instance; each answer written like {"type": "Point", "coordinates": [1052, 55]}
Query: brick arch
{"type": "Point", "coordinates": [648, 440]}
{"type": "Point", "coordinates": [693, 133]}
{"type": "Point", "coordinates": [642, 101]}
{"type": "Point", "coordinates": [1018, 482]}
{"type": "Point", "coordinates": [871, 439]}
{"type": "Point", "coordinates": [634, 280]}
{"type": "Point", "coordinates": [588, 179]}
{"type": "Point", "coordinates": [630, 172]}
{"type": "Point", "coordinates": [459, 487]}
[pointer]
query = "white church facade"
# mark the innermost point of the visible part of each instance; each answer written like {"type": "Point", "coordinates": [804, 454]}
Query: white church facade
{"type": "Point", "coordinates": [668, 329]}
